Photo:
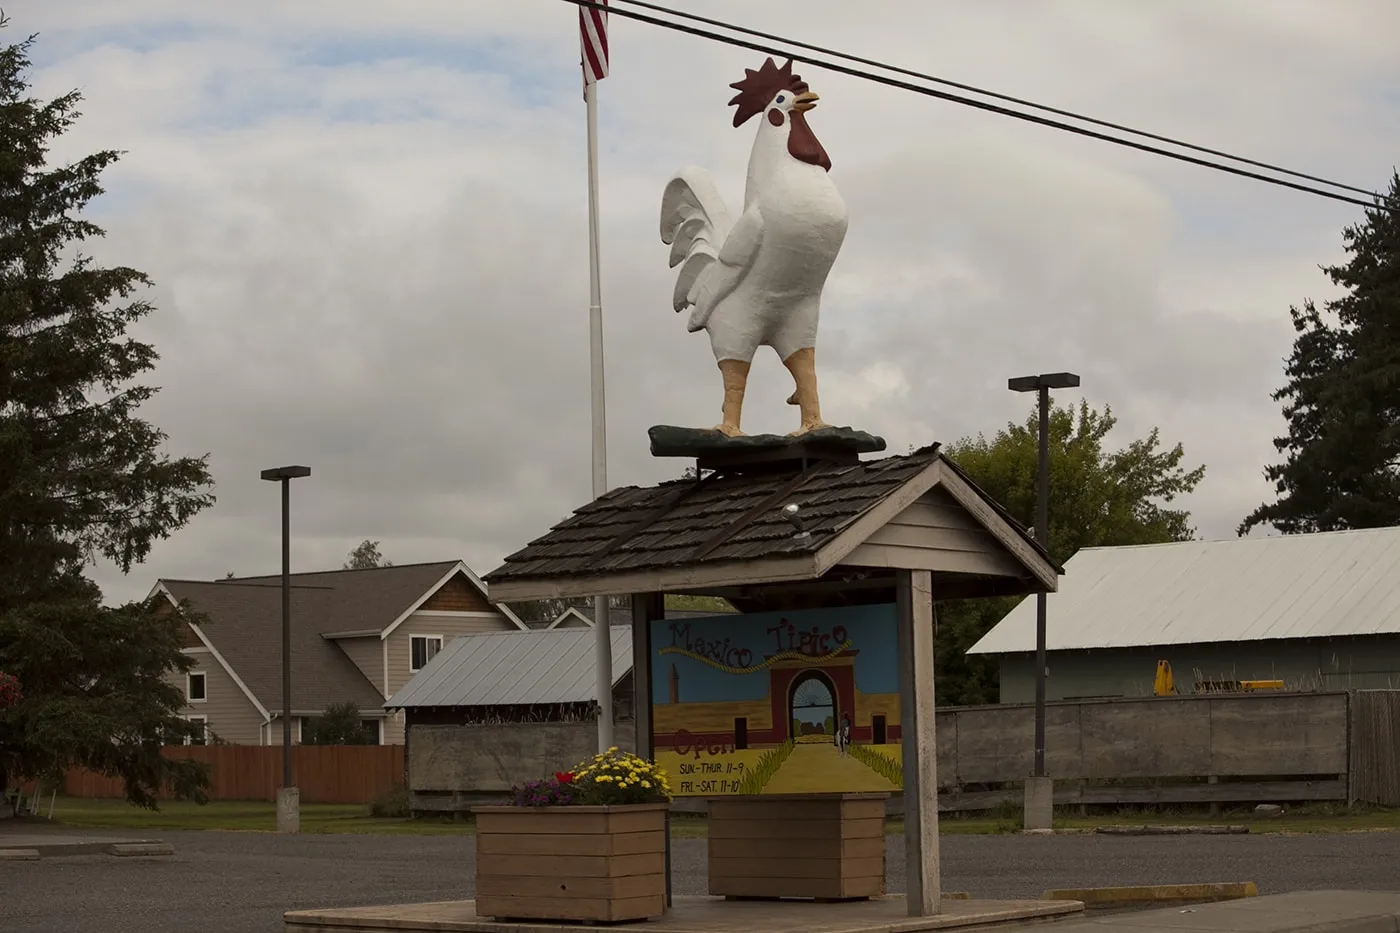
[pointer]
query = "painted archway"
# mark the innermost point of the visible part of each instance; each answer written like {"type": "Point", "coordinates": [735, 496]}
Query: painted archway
{"type": "Point", "coordinates": [813, 707]}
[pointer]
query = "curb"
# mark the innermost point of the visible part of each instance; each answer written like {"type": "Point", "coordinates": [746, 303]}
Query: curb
{"type": "Point", "coordinates": [1153, 894]}
{"type": "Point", "coordinates": [1172, 830]}
{"type": "Point", "coordinates": [129, 849]}
{"type": "Point", "coordinates": [19, 855]}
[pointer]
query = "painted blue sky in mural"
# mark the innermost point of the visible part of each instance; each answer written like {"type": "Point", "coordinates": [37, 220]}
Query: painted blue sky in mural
{"type": "Point", "coordinates": [740, 641]}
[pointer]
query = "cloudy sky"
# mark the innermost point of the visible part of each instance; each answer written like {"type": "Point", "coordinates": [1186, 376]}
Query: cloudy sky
{"type": "Point", "coordinates": [366, 224]}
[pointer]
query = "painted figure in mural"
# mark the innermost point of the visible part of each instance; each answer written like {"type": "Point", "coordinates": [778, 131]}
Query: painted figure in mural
{"type": "Point", "coordinates": [758, 281]}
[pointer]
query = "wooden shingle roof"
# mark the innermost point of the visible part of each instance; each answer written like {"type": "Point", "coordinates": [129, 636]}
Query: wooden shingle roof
{"type": "Point", "coordinates": [722, 518]}
{"type": "Point", "coordinates": [734, 520]}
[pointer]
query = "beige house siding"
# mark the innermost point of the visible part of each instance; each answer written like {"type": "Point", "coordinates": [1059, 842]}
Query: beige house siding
{"type": "Point", "coordinates": [449, 625]}
{"type": "Point", "coordinates": [368, 655]}
{"type": "Point", "coordinates": [231, 715]}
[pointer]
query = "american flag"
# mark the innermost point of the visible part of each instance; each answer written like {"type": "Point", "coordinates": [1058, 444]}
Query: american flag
{"type": "Point", "coordinates": [593, 35]}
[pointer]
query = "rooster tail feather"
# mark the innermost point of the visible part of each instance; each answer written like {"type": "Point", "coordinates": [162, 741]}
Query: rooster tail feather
{"type": "Point", "coordinates": [694, 222]}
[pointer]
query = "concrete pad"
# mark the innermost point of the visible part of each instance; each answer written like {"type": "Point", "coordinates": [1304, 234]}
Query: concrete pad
{"type": "Point", "coordinates": [1154, 894]}
{"type": "Point", "coordinates": [19, 855]}
{"type": "Point", "coordinates": [129, 849]}
{"type": "Point", "coordinates": [694, 915]}
{"type": "Point", "coordinates": [1297, 912]}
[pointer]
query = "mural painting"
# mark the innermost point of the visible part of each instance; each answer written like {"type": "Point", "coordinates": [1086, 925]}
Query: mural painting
{"type": "Point", "coordinates": [777, 703]}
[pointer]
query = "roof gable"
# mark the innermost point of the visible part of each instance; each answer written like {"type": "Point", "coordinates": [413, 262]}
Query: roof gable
{"type": "Point", "coordinates": [1333, 584]}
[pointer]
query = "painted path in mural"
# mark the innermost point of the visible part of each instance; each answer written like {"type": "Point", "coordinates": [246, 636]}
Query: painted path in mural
{"type": "Point", "coordinates": [818, 767]}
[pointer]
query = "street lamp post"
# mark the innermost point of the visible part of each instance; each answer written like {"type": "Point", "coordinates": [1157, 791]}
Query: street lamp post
{"type": "Point", "coordinates": [288, 797]}
{"type": "Point", "coordinates": [1039, 801]}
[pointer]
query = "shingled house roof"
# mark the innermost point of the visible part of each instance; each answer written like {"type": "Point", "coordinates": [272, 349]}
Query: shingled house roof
{"type": "Point", "coordinates": [245, 625]}
{"type": "Point", "coordinates": [725, 519]}
{"type": "Point", "coordinates": [245, 619]}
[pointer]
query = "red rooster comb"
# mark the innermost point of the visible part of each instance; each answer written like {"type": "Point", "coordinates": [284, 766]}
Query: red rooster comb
{"type": "Point", "coordinates": [758, 88]}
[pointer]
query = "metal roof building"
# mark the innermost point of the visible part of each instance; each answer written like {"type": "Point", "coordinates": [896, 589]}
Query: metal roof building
{"type": "Point", "coordinates": [514, 669]}
{"type": "Point", "coordinates": [1318, 611]}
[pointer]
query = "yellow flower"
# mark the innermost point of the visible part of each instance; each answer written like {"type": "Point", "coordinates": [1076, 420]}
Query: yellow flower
{"type": "Point", "coordinates": [646, 784]}
{"type": "Point", "coordinates": [604, 777]}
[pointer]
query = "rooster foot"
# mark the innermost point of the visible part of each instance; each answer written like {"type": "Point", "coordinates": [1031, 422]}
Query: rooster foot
{"type": "Point", "coordinates": [812, 425]}
{"type": "Point", "coordinates": [729, 430]}
{"type": "Point", "coordinates": [793, 399]}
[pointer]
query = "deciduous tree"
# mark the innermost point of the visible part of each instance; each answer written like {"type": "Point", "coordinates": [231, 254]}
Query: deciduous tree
{"type": "Point", "coordinates": [366, 556]}
{"type": "Point", "coordinates": [1098, 498]}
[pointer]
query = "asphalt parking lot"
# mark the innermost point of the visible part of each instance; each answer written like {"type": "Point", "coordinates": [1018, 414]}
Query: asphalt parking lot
{"type": "Point", "coordinates": [222, 882]}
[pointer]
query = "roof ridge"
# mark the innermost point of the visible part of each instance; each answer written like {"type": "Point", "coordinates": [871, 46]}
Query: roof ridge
{"type": "Point", "coordinates": [303, 573]}
{"type": "Point", "coordinates": [1246, 539]}
{"type": "Point", "coordinates": [242, 580]}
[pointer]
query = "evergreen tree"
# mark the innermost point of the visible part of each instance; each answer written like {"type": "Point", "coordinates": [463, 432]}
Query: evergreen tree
{"type": "Point", "coordinates": [80, 474]}
{"type": "Point", "coordinates": [1341, 466]}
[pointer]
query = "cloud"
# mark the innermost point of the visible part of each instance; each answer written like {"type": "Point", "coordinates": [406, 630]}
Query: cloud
{"type": "Point", "coordinates": [367, 229]}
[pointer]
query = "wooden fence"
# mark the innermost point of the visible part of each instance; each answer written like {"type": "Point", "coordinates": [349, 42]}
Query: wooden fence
{"type": "Point", "coordinates": [1206, 749]}
{"type": "Point", "coordinates": [1375, 747]}
{"type": "Point", "coordinates": [323, 773]}
{"type": "Point", "coordinates": [1192, 749]}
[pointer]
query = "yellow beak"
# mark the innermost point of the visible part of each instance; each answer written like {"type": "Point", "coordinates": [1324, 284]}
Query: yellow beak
{"type": "Point", "coordinates": [805, 101]}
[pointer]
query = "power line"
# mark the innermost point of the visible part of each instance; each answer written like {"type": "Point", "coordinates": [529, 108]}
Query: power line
{"type": "Point", "coordinates": [982, 105]}
{"type": "Point", "coordinates": [993, 94]}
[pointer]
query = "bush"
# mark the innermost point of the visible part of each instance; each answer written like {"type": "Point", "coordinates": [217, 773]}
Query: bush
{"type": "Point", "coordinates": [392, 805]}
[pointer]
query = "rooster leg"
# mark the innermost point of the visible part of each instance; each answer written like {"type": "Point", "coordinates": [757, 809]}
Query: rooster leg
{"type": "Point", "coordinates": [736, 379]}
{"type": "Point", "coordinates": [803, 366]}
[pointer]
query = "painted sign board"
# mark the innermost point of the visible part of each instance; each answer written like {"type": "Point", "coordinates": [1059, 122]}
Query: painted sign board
{"type": "Point", "coordinates": [777, 703]}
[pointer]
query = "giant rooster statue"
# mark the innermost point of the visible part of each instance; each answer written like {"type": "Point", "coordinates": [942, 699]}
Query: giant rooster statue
{"type": "Point", "coordinates": [758, 281]}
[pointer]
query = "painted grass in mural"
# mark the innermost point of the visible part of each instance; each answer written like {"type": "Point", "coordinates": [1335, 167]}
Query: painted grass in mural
{"type": "Point", "coordinates": [801, 702]}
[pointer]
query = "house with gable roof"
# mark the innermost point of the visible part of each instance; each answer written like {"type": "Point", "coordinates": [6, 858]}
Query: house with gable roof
{"type": "Point", "coordinates": [357, 636]}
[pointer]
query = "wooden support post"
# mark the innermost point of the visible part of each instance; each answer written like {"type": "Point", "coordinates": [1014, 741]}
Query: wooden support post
{"type": "Point", "coordinates": [646, 607]}
{"type": "Point", "coordinates": [914, 603]}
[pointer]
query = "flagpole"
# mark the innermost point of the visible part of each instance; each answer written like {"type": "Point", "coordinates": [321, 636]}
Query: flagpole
{"type": "Point", "coordinates": [601, 622]}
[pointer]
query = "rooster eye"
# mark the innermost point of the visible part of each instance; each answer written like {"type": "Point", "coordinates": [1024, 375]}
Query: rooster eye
{"type": "Point", "coordinates": [780, 99]}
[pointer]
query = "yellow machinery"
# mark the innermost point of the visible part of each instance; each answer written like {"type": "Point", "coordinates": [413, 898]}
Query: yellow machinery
{"type": "Point", "coordinates": [1164, 686]}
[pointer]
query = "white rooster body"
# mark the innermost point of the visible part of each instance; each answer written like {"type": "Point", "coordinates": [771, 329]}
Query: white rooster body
{"type": "Point", "coordinates": [757, 281]}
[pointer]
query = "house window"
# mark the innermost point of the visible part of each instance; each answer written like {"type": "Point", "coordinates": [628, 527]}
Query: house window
{"type": "Point", "coordinates": [372, 734]}
{"type": "Point", "coordinates": [201, 736]}
{"type": "Point", "coordinates": [196, 686]}
{"type": "Point", "coordinates": [421, 650]}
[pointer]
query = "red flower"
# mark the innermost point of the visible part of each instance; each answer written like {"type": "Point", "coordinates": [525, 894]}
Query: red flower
{"type": "Point", "coordinates": [564, 777]}
{"type": "Point", "coordinates": [9, 690]}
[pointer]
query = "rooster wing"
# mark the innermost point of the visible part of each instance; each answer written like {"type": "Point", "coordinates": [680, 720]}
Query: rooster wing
{"type": "Point", "coordinates": [712, 256]}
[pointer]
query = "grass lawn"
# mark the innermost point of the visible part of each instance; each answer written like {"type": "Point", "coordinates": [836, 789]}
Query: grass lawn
{"type": "Point", "coordinates": [255, 816]}
{"type": "Point", "coordinates": [239, 815]}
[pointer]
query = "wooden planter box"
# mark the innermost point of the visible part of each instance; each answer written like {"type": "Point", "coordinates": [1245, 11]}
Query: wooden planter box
{"type": "Point", "coordinates": [604, 864]}
{"type": "Point", "coordinates": [828, 847]}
